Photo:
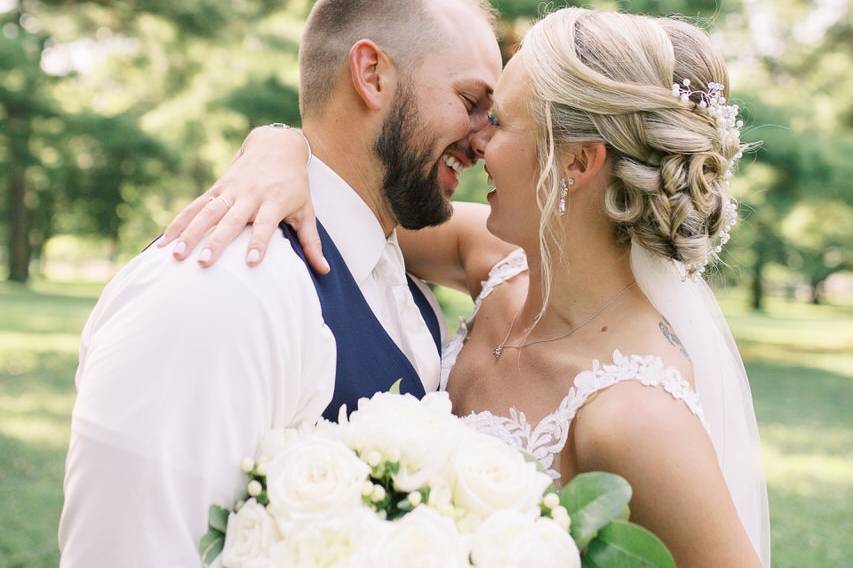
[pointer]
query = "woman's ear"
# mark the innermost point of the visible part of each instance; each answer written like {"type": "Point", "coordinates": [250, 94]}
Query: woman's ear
{"type": "Point", "coordinates": [372, 73]}
{"type": "Point", "coordinates": [583, 162]}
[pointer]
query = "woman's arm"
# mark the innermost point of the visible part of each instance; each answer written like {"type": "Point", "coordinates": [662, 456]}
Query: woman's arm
{"type": "Point", "coordinates": [268, 183]}
{"type": "Point", "coordinates": [459, 253]}
{"type": "Point", "coordinates": [661, 448]}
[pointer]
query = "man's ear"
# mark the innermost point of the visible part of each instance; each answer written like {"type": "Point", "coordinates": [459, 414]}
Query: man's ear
{"type": "Point", "coordinates": [582, 162]}
{"type": "Point", "coordinates": [372, 73]}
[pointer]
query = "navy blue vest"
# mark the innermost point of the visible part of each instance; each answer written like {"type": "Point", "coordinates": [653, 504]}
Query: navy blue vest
{"type": "Point", "coordinates": [368, 359]}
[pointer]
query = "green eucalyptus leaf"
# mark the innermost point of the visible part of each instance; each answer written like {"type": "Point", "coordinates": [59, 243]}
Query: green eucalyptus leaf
{"type": "Point", "coordinates": [593, 500]}
{"type": "Point", "coordinates": [217, 518]}
{"type": "Point", "coordinates": [395, 388]}
{"type": "Point", "coordinates": [624, 544]}
{"type": "Point", "coordinates": [211, 546]}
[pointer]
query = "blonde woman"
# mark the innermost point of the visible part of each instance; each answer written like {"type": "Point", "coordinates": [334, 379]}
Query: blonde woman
{"type": "Point", "coordinates": [594, 343]}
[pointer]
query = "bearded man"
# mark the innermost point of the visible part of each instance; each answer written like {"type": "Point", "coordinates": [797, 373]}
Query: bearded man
{"type": "Point", "coordinates": [183, 370]}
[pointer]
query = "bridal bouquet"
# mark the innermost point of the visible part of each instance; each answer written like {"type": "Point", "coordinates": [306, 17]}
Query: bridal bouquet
{"type": "Point", "coordinates": [403, 482]}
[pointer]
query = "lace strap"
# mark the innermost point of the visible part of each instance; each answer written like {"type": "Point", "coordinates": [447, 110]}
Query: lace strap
{"type": "Point", "coordinates": [648, 370]}
{"type": "Point", "coordinates": [511, 265]}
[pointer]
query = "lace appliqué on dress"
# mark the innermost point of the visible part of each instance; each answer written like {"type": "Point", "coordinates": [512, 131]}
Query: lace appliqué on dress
{"type": "Point", "coordinates": [548, 438]}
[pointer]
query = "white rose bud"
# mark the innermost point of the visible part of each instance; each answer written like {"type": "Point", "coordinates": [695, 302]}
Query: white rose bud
{"type": "Point", "coordinates": [373, 458]}
{"type": "Point", "coordinates": [561, 517]}
{"type": "Point", "coordinates": [551, 501]}
{"type": "Point", "coordinates": [564, 522]}
{"type": "Point", "coordinates": [394, 455]}
{"type": "Point", "coordinates": [247, 465]}
{"type": "Point", "coordinates": [415, 498]}
{"type": "Point", "coordinates": [260, 469]}
{"type": "Point", "coordinates": [367, 489]}
{"type": "Point", "coordinates": [378, 493]}
{"type": "Point", "coordinates": [255, 488]}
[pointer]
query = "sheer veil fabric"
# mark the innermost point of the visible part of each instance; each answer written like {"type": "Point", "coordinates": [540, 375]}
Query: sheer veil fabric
{"type": "Point", "coordinates": [721, 382]}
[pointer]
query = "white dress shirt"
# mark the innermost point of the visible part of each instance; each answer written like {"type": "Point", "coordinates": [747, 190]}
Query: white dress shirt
{"type": "Point", "coordinates": [376, 264]}
{"type": "Point", "coordinates": [183, 370]}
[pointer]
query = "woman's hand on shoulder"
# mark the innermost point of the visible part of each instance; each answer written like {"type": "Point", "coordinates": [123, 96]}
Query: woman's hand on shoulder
{"type": "Point", "coordinates": [265, 185]}
{"type": "Point", "coordinates": [679, 492]}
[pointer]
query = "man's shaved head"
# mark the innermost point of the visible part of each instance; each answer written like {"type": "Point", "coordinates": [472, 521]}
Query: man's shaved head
{"type": "Point", "coordinates": [407, 30]}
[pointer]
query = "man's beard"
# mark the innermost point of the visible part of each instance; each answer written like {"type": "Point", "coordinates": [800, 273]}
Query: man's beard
{"type": "Point", "coordinates": [414, 196]}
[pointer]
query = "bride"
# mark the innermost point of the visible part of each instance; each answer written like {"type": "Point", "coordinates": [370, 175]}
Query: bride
{"type": "Point", "coordinates": [595, 344]}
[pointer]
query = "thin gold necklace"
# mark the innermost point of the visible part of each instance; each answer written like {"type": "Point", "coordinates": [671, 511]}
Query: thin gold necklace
{"type": "Point", "coordinates": [499, 349]}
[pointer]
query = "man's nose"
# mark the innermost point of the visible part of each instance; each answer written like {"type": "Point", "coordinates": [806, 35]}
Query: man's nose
{"type": "Point", "coordinates": [479, 139]}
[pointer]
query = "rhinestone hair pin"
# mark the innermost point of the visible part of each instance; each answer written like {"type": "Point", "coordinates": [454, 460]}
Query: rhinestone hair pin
{"type": "Point", "coordinates": [729, 126]}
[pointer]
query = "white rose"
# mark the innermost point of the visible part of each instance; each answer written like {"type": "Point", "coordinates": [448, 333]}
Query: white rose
{"type": "Point", "coordinates": [438, 402]}
{"type": "Point", "coordinates": [511, 539]}
{"type": "Point", "coordinates": [343, 541]}
{"type": "Point", "coordinates": [313, 478]}
{"type": "Point", "coordinates": [424, 538]}
{"type": "Point", "coordinates": [250, 536]}
{"type": "Point", "coordinates": [421, 434]}
{"type": "Point", "coordinates": [274, 443]}
{"type": "Point", "coordinates": [489, 476]}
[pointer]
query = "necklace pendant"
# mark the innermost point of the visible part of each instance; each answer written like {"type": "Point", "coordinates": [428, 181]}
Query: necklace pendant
{"type": "Point", "coordinates": [498, 352]}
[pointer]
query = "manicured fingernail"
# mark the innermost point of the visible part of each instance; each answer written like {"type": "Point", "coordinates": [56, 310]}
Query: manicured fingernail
{"type": "Point", "coordinates": [326, 264]}
{"type": "Point", "coordinates": [205, 255]}
{"type": "Point", "coordinates": [253, 256]}
{"type": "Point", "coordinates": [180, 248]}
{"type": "Point", "coordinates": [161, 242]}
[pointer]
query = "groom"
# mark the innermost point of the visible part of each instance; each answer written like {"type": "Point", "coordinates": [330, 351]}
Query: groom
{"type": "Point", "coordinates": [182, 370]}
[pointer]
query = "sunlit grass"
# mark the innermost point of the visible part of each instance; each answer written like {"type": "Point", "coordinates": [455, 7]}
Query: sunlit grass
{"type": "Point", "coordinates": [799, 357]}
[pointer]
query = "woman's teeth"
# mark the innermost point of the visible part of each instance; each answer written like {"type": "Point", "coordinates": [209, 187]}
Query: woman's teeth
{"type": "Point", "coordinates": [453, 164]}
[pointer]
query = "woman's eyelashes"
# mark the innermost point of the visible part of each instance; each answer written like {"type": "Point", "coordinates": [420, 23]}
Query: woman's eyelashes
{"type": "Point", "coordinates": [493, 118]}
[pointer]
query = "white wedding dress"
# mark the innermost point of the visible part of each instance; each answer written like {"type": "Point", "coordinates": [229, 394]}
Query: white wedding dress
{"type": "Point", "coordinates": [546, 439]}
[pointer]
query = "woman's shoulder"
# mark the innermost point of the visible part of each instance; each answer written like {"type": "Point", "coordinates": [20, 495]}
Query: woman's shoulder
{"type": "Point", "coordinates": [645, 333]}
{"type": "Point", "coordinates": [502, 271]}
{"type": "Point", "coordinates": [631, 417]}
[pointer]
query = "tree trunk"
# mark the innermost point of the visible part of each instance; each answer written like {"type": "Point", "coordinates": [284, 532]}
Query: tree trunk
{"type": "Point", "coordinates": [757, 299]}
{"type": "Point", "coordinates": [19, 229]}
{"type": "Point", "coordinates": [19, 219]}
{"type": "Point", "coordinates": [817, 291]}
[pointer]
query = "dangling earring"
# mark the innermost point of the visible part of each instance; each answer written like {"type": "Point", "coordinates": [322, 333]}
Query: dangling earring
{"type": "Point", "coordinates": [565, 184]}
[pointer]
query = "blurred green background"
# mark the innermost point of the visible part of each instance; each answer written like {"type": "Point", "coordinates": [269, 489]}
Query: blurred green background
{"type": "Point", "coordinates": [114, 114]}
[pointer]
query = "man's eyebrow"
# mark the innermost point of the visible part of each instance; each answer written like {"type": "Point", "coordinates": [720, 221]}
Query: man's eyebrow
{"type": "Point", "coordinates": [480, 85]}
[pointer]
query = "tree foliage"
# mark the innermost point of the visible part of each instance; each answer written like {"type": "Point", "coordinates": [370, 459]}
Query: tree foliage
{"type": "Point", "coordinates": [113, 113]}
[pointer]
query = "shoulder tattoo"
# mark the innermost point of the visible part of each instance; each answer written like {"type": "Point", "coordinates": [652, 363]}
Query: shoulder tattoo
{"type": "Point", "coordinates": [669, 334]}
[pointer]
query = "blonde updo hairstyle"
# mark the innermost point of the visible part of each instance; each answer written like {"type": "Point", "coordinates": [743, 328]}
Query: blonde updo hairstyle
{"type": "Point", "coordinates": [607, 77]}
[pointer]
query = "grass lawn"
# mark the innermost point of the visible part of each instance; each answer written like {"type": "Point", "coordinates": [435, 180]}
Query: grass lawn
{"type": "Point", "coordinates": [800, 360]}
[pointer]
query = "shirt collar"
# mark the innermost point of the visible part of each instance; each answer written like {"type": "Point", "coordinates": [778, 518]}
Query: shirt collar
{"type": "Point", "coordinates": [353, 227]}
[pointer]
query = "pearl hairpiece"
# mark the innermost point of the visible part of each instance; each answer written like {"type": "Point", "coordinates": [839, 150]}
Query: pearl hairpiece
{"type": "Point", "coordinates": [728, 126]}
